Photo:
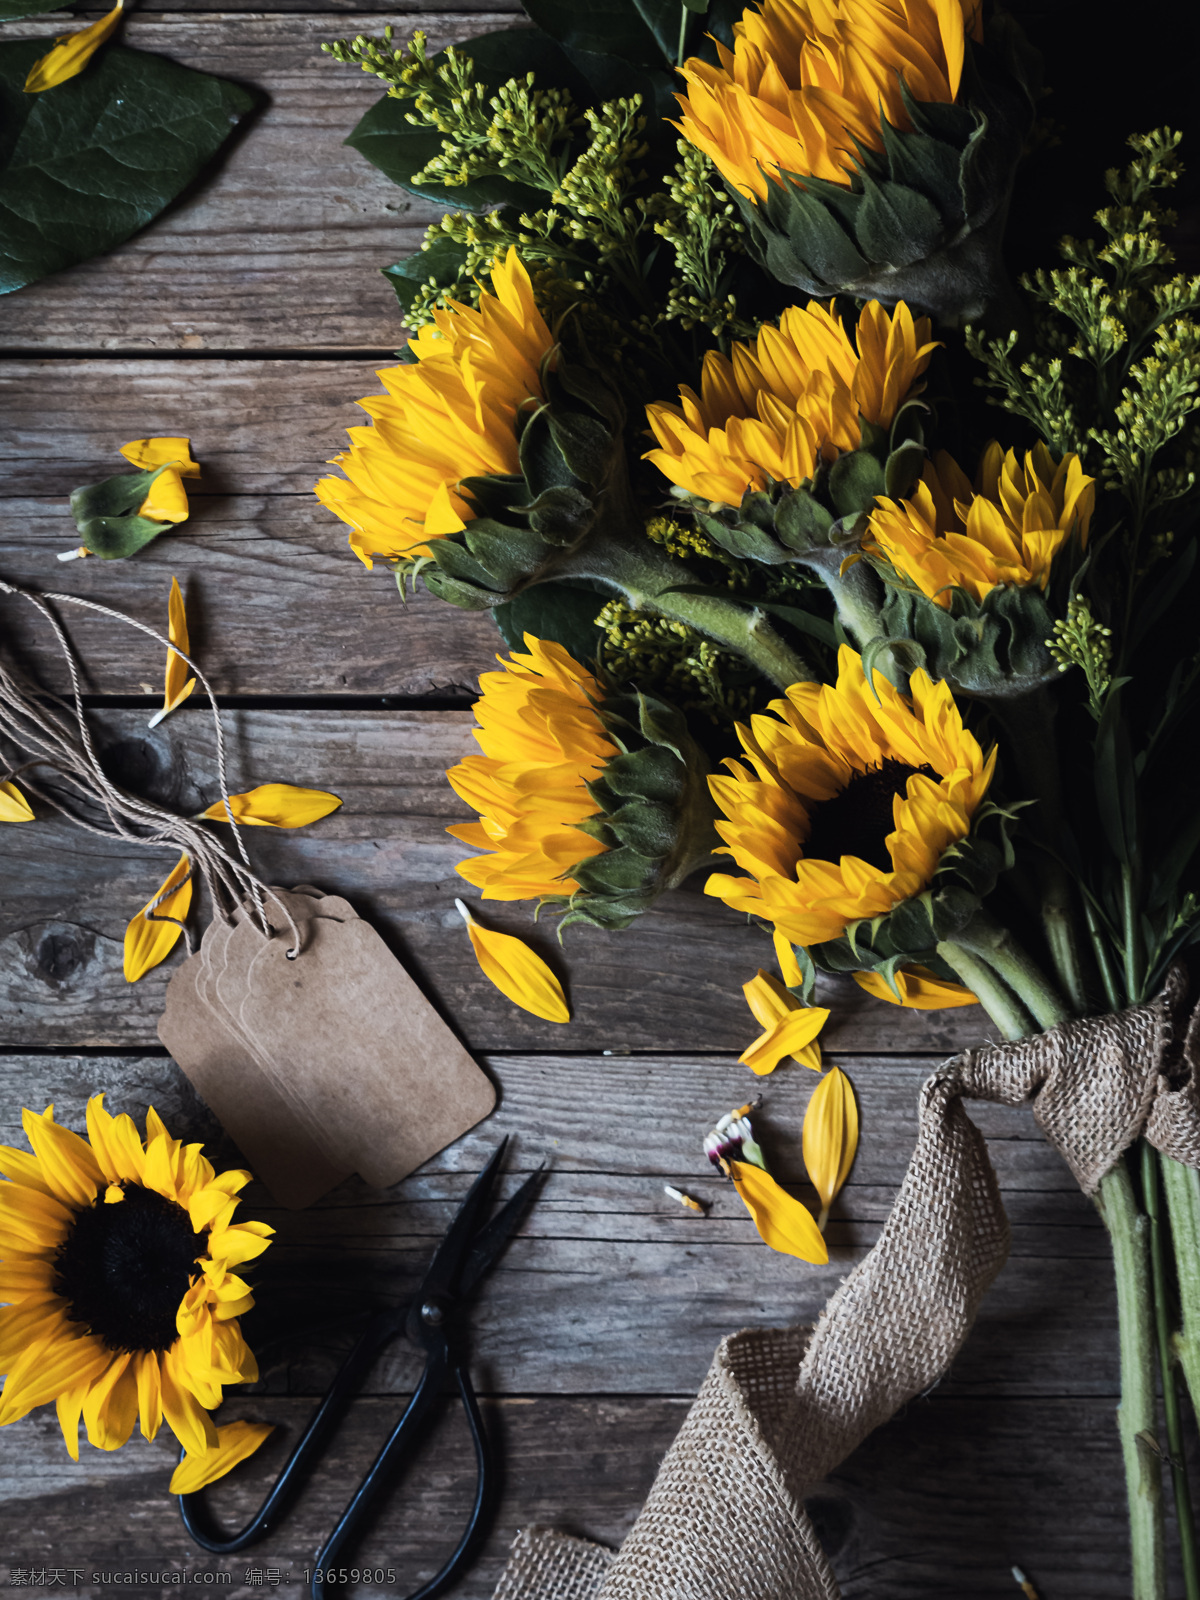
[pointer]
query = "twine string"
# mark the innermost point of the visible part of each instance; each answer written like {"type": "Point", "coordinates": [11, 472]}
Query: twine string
{"type": "Point", "coordinates": [43, 727]}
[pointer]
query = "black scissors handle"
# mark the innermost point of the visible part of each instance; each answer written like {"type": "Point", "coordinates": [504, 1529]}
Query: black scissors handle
{"type": "Point", "coordinates": [390, 1463]}
{"type": "Point", "coordinates": [192, 1507]}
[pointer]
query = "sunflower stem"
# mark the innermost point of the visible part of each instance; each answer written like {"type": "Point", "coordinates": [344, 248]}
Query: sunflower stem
{"type": "Point", "coordinates": [993, 944]}
{"type": "Point", "coordinates": [857, 593]}
{"type": "Point", "coordinates": [1182, 1188]}
{"type": "Point", "coordinates": [1152, 1200]}
{"type": "Point", "coordinates": [993, 994]}
{"type": "Point", "coordinates": [646, 578]}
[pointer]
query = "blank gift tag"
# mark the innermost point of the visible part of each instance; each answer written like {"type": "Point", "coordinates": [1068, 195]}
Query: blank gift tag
{"type": "Point", "coordinates": [358, 1044]}
{"type": "Point", "coordinates": [258, 1118]}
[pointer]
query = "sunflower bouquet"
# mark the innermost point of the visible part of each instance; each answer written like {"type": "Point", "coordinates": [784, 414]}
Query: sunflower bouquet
{"type": "Point", "coordinates": [832, 562]}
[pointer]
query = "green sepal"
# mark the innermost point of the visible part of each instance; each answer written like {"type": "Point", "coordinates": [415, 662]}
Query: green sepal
{"type": "Point", "coordinates": [106, 515]}
{"type": "Point", "coordinates": [655, 814]}
{"type": "Point", "coordinates": [563, 612]}
{"type": "Point", "coordinates": [921, 219]}
{"type": "Point", "coordinates": [994, 647]}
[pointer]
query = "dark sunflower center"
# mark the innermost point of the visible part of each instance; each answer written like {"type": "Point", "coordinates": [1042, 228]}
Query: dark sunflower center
{"type": "Point", "coordinates": [858, 820]}
{"type": "Point", "coordinates": [124, 1268]}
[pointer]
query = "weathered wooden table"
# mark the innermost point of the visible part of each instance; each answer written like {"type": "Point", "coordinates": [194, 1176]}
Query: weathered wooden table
{"type": "Point", "coordinates": [250, 318]}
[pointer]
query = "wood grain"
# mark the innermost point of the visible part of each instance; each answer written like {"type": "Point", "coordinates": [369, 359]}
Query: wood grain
{"type": "Point", "coordinates": [279, 246]}
{"type": "Point", "coordinates": [669, 982]}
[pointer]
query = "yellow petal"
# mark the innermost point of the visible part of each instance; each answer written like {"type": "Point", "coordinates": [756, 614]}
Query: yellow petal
{"type": "Point", "coordinates": [178, 685]}
{"type": "Point", "coordinates": [919, 988]}
{"type": "Point", "coordinates": [275, 805]}
{"type": "Point", "coordinates": [791, 1027]}
{"type": "Point", "coordinates": [167, 500]}
{"type": "Point", "coordinates": [235, 1441]}
{"type": "Point", "coordinates": [149, 942]}
{"type": "Point", "coordinates": [13, 805]}
{"type": "Point", "coordinates": [789, 967]}
{"type": "Point", "coordinates": [782, 1222]}
{"type": "Point", "coordinates": [516, 970]}
{"type": "Point", "coordinates": [71, 54]}
{"type": "Point", "coordinates": [151, 453]}
{"type": "Point", "coordinates": [830, 1135]}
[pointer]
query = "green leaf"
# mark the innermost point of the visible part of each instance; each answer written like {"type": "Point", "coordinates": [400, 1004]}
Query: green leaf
{"type": "Point", "coordinates": [85, 165]}
{"type": "Point", "coordinates": [443, 262]}
{"type": "Point", "coordinates": [557, 611]}
{"type": "Point", "coordinates": [855, 480]}
{"type": "Point", "coordinates": [611, 27]}
{"type": "Point", "coordinates": [114, 538]}
{"type": "Point", "coordinates": [12, 10]}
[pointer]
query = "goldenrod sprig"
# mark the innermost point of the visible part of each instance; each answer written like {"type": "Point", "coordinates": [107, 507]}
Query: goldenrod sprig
{"type": "Point", "coordinates": [1080, 641]}
{"type": "Point", "coordinates": [700, 222]}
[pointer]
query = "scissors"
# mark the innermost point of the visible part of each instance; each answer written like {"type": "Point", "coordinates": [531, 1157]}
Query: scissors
{"type": "Point", "coordinates": [466, 1253]}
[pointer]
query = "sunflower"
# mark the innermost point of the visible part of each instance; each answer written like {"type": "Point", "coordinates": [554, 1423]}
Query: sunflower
{"type": "Point", "coordinates": [1005, 530]}
{"type": "Point", "coordinates": [851, 795]}
{"type": "Point", "coordinates": [542, 740]}
{"type": "Point", "coordinates": [118, 1263]}
{"type": "Point", "coordinates": [808, 80]}
{"type": "Point", "coordinates": [449, 414]}
{"type": "Point", "coordinates": [772, 410]}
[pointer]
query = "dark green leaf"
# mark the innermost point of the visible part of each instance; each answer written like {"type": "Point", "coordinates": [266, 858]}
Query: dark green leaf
{"type": "Point", "coordinates": [1115, 796]}
{"type": "Point", "coordinates": [557, 611]}
{"type": "Point", "coordinates": [612, 27]}
{"type": "Point", "coordinates": [443, 262]}
{"type": "Point", "coordinates": [88, 163]}
{"type": "Point", "coordinates": [114, 538]}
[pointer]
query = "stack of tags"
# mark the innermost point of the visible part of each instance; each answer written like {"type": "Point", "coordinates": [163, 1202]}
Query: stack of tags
{"type": "Point", "coordinates": [323, 1064]}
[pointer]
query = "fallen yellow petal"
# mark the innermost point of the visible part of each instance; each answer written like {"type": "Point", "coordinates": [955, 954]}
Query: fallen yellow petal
{"type": "Point", "coordinates": [146, 942]}
{"type": "Point", "coordinates": [150, 453]}
{"type": "Point", "coordinates": [516, 970]}
{"type": "Point", "coordinates": [235, 1442]}
{"type": "Point", "coordinates": [13, 805]}
{"type": "Point", "coordinates": [919, 988]}
{"type": "Point", "coordinates": [71, 54]}
{"type": "Point", "coordinates": [830, 1136]}
{"type": "Point", "coordinates": [791, 1028]}
{"type": "Point", "coordinates": [275, 805]}
{"type": "Point", "coordinates": [167, 500]}
{"type": "Point", "coordinates": [781, 1220]}
{"type": "Point", "coordinates": [178, 684]}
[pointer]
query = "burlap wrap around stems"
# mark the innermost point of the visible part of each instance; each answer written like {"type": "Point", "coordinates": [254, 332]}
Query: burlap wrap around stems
{"type": "Point", "coordinates": [781, 1408]}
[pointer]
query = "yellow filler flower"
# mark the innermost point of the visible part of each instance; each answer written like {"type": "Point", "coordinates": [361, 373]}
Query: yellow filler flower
{"type": "Point", "coordinates": [448, 415]}
{"type": "Point", "coordinates": [1005, 530]}
{"type": "Point", "coordinates": [71, 53]}
{"type": "Point", "coordinates": [807, 80]}
{"type": "Point", "coordinates": [542, 740]}
{"type": "Point", "coordinates": [771, 410]}
{"type": "Point", "coordinates": [119, 1269]}
{"type": "Point", "coordinates": [850, 797]}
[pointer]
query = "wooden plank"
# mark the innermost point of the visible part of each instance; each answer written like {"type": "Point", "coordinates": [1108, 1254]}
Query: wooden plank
{"type": "Point", "coordinates": [276, 602]}
{"type": "Point", "coordinates": [280, 245]}
{"type": "Point", "coordinates": [604, 1256]}
{"type": "Point", "coordinates": [670, 982]}
{"type": "Point", "coordinates": [940, 1502]}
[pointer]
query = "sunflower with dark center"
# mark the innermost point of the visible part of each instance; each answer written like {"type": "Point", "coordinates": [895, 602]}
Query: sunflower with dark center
{"type": "Point", "coordinates": [851, 794]}
{"type": "Point", "coordinates": [117, 1261]}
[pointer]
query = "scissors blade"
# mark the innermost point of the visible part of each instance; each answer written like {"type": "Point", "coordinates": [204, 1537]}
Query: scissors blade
{"type": "Point", "coordinates": [492, 1240]}
{"type": "Point", "coordinates": [444, 1269]}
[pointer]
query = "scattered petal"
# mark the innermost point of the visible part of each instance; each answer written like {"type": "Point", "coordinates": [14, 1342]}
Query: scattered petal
{"type": "Point", "coordinates": [167, 452]}
{"type": "Point", "coordinates": [919, 988]}
{"type": "Point", "coordinates": [178, 684]}
{"type": "Point", "coordinates": [71, 54]}
{"type": "Point", "coordinates": [167, 499]}
{"type": "Point", "coordinates": [275, 805]}
{"type": "Point", "coordinates": [781, 1220]}
{"type": "Point", "coordinates": [13, 805]}
{"type": "Point", "coordinates": [684, 1199]}
{"type": "Point", "coordinates": [830, 1136]}
{"type": "Point", "coordinates": [148, 942]}
{"type": "Point", "coordinates": [785, 954]}
{"type": "Point", "coordinates": [236, 1441]}
{"type": "Point", "coordinates": [791, 1028]}
{"type": "Point", "coordinates": [516, 970]}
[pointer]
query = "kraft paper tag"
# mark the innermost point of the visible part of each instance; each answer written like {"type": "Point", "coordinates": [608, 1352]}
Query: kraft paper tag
{"type": "Point", "coordinates": [329, 1063]}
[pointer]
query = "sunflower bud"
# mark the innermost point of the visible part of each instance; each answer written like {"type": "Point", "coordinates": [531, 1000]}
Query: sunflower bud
{"type": "Point", "coordinates": [870, 154]}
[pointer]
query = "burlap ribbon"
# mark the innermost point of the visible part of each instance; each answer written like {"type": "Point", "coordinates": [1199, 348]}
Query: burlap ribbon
{"type": "Point", "coordinates": [781, 1408]}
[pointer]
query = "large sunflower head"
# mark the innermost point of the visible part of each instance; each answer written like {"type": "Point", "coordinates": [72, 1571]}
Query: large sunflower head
{"type": "Point", "coordinates": [808, 80]}
{"type": "Point", "coordinates": [1005, 530]}
{"type": "Point", "coordinates": [847, 799]}
{"type": "Point", "coordinates": [587, 798]}
{"type": "Point", "coordinates": [450, 414]}
{"type": "Point", "coordinates": [119, 1261]}
{"type": "Point", "coordinates": [773, 410]}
